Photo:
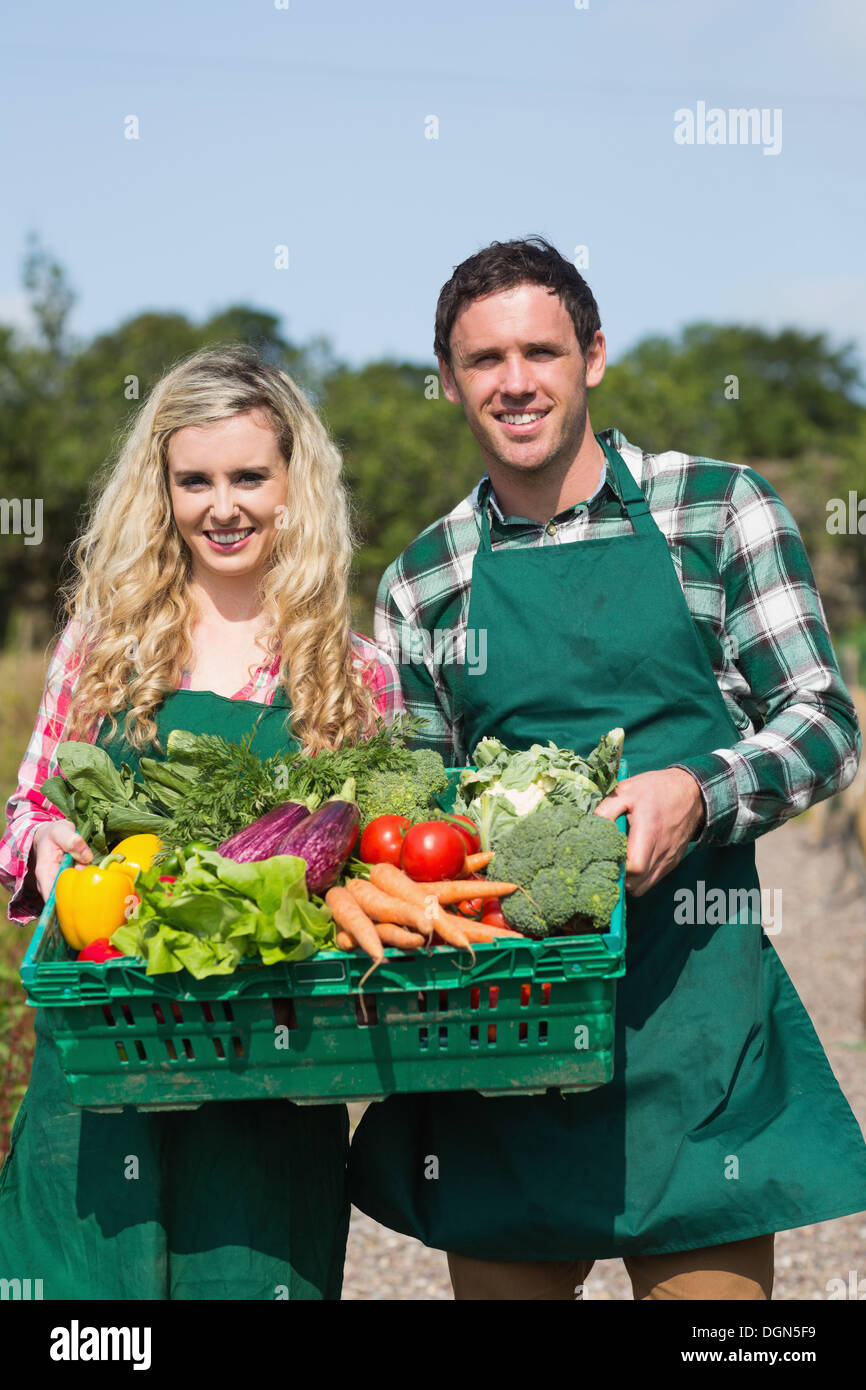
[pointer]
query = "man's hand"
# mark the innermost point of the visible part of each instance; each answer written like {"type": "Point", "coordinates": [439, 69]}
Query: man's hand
{"type": "Point", "coordinates": [666, 812]}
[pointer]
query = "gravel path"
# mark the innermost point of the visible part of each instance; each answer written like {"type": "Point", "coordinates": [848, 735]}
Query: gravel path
{"type": "Point", "coordinates": [822, 944]}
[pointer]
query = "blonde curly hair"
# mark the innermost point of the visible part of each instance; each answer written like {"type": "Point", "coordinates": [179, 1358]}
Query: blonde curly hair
{"type": "Point", "coordinates": [131, 595]}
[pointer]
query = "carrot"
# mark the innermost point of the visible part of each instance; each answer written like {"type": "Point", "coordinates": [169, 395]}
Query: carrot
{"type": "Point", "coordinates": [451, 929]}
{"type": "Point", "coordinates": [345, 941]}
{"type": "Point", "coordinates": [461, 890]}
{"type": "Point", "coordinates": [474, 862]}
{"type": "Point", "coordinates": [349, 916]}
{"type": "Point", "coordinates": [392, 880]}
{"type": "Point", "coordinates": [481, 931]}
{"type": "Point", "coordinates": [392, 935]}
{"type": "Point", "coordinates": [382, 907]}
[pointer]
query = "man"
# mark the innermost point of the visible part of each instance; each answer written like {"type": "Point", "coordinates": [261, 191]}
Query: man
{"type": "Point", "coordinates": [670, 595]}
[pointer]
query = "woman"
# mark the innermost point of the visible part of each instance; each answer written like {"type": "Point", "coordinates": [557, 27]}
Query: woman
{"type": "Point", "coordinates": [211, 594]}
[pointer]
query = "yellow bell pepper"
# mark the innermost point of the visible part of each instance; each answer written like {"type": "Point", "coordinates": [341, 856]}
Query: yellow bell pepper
{"type": "Point", "coordinates": [138, 852]}
{"type": "Point", "coordinates": [93, 901]}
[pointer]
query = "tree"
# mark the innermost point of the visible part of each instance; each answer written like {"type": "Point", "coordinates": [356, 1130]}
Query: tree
{"type": "Point", "coordinates": [408, 455]}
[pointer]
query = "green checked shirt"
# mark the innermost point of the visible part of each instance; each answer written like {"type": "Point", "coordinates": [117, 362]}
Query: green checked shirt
{"type": "Point", "coordinates": [749, 586]}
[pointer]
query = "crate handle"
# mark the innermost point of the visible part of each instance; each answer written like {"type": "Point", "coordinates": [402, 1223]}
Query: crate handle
{"type": "Point", "coordinates": [29, 961]}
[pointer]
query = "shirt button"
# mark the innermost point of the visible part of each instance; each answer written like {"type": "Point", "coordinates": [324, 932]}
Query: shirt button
{"type": "Point", "coordinates": [551, 528]}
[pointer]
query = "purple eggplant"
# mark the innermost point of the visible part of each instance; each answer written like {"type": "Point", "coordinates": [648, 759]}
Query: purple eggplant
{"type": "Point", "coordinates": [263, 838]}
{"type": "Point", "coordinates": [325, 840]}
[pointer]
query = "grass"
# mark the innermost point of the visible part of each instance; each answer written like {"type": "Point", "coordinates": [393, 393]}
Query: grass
{"type": "Point", "coordinates": [21, 681]}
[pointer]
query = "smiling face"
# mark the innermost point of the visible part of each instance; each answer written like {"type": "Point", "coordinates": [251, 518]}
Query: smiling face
{"type": "Point", "coordinates": [227, 482]}
{"type": "Point", "coordinates": [519, 373]}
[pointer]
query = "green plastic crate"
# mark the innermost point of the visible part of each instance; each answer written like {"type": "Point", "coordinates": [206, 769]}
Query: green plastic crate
{"type": "Point", "coordinates": [528, 1016]}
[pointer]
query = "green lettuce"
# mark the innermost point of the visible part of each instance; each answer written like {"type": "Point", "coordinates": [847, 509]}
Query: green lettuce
{"type": "Point", "coordinates": [218, 913]}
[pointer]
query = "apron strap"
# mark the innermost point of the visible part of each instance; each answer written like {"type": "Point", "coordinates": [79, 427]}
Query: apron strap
{"type": "Point", "coordinates": [634, 504]}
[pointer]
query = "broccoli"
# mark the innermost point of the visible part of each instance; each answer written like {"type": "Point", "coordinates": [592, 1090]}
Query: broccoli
{"type": "Point", "coordinates": [568, 862]}
{"type": "Point", "coordinates": [409, 793]}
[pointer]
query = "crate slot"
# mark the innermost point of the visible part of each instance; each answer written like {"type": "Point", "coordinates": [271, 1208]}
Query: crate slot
{"type": "Point", "coordinates": [187, 1047]}
{"type": "Point", "coordinates": [494, 996]}
{"type": "Point", "coordinates": [108, 1016]}
{"type": "Point", "coordinates": [523, 1031]}
{"type": "Point", "coordinates": [227, 1010]}
{"type": "Point", "coordinates": [422, 1038]}
{"type": "Point", "coordinates": [157, 1012]}
{"type": "Point", "coordinates": [127, 1013]}
{"type": "Point", "coordinates": [475, 997]}
{"type": "Point", "coordinates": [284, 1013]}
{"type": "Point", "coordinates": [443, 1000]}
{"type": "Point", "coordinates": [219, 1049]}
{"type": "Point", "coordinates": [491, 1034]}
{"type": "Point", "coordinates": [207, 1013]}
{"type": "Point", "coordinates": [473, 1035]}
{"type": "Point", "coordinates": [545, 993]}
{"type": "Point", "coordinates": [175, 1010]}
{"type": "Point", "coordinates": [422, 1001]}
{"type": "Point", "coordinates": [372, 1011]}
{"type": "Point", "coordinates": [542, 1031]}
{"type": "Point", "coordinates": [139, 1047]}
{"type": "Point", "coordinates": [238, 1046]}
{"type": "Point", "coordinates": [525, 995]}
{"type": "Point", "coordinates": [170, 1049]}
{"type": "Point", "coordinates": [121, 1051]}
{"type": "Point", "coordinates": [443, 1034]}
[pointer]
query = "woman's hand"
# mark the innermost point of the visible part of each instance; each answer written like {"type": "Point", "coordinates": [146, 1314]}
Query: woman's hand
{"type": "Point", "coordinates": [50, 842]}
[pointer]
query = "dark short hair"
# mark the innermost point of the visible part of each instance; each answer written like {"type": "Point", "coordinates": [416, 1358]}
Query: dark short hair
{"type": "Point", "coordinates": [505, 264]}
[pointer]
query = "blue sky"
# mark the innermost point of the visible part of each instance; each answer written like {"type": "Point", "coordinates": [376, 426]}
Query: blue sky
{"type": "Point", "coordinates": [305, 127]}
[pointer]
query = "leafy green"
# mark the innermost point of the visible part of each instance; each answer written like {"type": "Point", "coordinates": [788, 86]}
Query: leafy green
{"type": "Point", "coordinates": [104, 803]}
{"type": "Point", "coordinates": [218, 913]}
{"type": "Point", "coordinates": [207, 788]}
{"type": "Point", "coordinates": [229, 787]}
{"type": "Point", "coordinates": [235, 788]}
{"type": "Point", "coordinates": [507, 784]}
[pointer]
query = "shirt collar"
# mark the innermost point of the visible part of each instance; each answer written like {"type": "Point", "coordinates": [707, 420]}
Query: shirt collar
{"type": "Point", "coordinates": [607, 486]}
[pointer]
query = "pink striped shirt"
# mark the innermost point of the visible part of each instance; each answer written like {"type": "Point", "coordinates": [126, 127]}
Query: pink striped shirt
{"type": "Point", "coordinates": [27, 808]}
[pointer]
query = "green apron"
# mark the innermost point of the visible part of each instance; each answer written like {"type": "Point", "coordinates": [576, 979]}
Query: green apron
{"type": "Point", "coordinates": [723, 1120]}
{"type": "Point", "coordinates": [235, 1200]}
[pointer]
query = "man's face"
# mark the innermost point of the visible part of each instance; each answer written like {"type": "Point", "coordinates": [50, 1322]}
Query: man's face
{"type": "Point", "coordinates": [517, 370]}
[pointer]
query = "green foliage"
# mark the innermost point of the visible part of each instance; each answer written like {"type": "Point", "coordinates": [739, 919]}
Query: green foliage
{"type": "Point", "coordinates": [794, 393]}
{"type": "Point", "coordinates": [408, 459]}
{"type": "Point", "coordinates": [409, 454]}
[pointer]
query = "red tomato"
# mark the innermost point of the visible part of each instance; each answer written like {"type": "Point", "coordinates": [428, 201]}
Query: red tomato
{"type": "Point", "coordinates": [493, 916]}
{"type": "Point", "coordinates": [382, 840]}
{"type": "Point", "coordinates": [433, 850]}
{"type": "Point", "coordinates": [469, 830]}
{"type": "Point", "coordinates": [471, 908]}
{"type": "Point", "coordinates": [99, 951]}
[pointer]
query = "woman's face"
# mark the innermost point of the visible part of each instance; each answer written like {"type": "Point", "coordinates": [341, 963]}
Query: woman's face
{"type": "Point", "coordinates": [227, 483]}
